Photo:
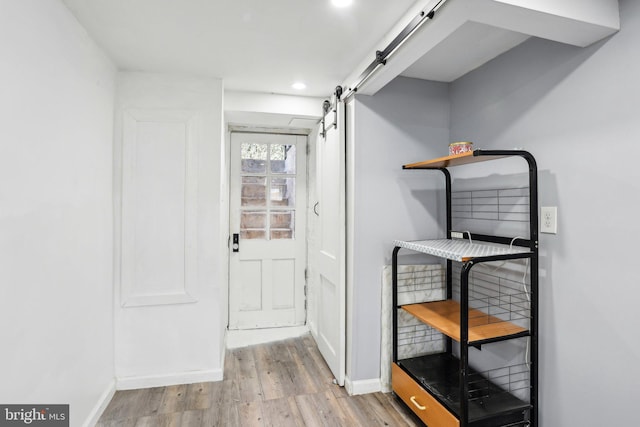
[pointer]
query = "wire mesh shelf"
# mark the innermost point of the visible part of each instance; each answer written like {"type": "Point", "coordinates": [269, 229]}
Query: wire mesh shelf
{"type": "Point", "coordinates": [504, 204]}
{"type": "Point", "coordinates": [501, 291]}
{"type": "Point", "coordinates": [459, 249]}
{"type": "Point", "coordinates": [512, 379]}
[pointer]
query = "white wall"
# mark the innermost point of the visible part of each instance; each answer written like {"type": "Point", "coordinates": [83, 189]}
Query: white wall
{"type": "Point", "coordinates": [576, 111]}
{"type": "Point", "coordinates": [406, 121]}
{"type": "Point", "coordinates": [171, 256]}
{"type": "Point", "coordinates": [55, 211]}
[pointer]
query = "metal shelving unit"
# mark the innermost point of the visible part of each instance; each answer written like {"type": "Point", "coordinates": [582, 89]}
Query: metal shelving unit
{"type": "Point", "coordinates": [442, 388]}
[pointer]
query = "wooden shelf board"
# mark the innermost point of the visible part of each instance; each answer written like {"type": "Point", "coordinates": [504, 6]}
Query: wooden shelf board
{"type": "Point", "coordinates": [454, 160]}
{"type": "Point", "coordinates": [445, 317]}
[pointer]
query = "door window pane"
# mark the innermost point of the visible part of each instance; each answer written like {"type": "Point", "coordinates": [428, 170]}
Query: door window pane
{"type": "Point", "coordinates": [283, 158]}
{"type": "Point", "coordinates": [254, 191]}
{"type": "Point", "coordinates": [253, 158]}
{"type": "Point", "coordinates": [283, 192]}
{"type": "Point", "coordinates": [282, 224]}
{"type": "Point", "coordinates": [253, 224]}
{"type": "Point", "coordinates": [268, 190]}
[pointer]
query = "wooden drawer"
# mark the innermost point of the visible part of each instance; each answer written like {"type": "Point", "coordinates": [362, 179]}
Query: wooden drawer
{"type": "Point", "coordinates": [420, 401]}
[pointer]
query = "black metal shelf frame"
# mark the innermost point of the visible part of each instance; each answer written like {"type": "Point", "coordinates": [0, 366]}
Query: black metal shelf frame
{"type": "Point", "coordinates": [531, 243]}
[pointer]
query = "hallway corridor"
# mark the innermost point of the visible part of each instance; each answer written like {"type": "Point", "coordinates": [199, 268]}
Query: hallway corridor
{"type": "Point", "coordinates": [284, 383]}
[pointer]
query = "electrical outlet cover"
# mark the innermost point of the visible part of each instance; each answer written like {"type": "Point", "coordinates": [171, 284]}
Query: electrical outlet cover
{"type": "Point", "coordinates": [549, 219]}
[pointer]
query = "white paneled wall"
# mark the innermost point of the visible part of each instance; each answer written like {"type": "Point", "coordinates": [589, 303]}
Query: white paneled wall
{"type": "Point", "coordinates": [170, 301]}
{"type": "Point", "coordinates": [159, 206]}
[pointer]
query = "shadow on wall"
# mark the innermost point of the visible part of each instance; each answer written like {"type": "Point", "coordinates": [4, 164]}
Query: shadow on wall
{"type": "Point", "coordinates": [433, 202]}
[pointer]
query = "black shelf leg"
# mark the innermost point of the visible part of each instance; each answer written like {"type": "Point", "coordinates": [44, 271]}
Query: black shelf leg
{"type": "Point", "coordinates": [464, 344]}
{"type": "Point", "coordinates": [394, 315]}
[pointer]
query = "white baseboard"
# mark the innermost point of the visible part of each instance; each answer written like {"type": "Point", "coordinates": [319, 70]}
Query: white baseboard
{"type": "Point", "coordinates": [223, 351]}
{"type": "Point", "coordinates": [130, 383]}
{"type": "Point", "coordinates": [362, 386]}
{"type": "Point", "coordinates": [101, 405]}
{"type": "Point", "coordinates": [243, 338]}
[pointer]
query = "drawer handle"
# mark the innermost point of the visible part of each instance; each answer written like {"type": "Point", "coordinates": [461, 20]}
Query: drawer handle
{"type": "Point", "coordinates": [415, 402]}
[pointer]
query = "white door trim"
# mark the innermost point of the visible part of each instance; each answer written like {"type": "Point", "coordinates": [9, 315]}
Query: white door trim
{"type": "Point", "coordinates": [349, 106]}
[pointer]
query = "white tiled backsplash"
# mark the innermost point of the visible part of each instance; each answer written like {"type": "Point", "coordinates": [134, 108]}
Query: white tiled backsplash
{"type": "Point", "coordinates": [416, 283]}
{"type": "Point", "coordinates": [416, 338]}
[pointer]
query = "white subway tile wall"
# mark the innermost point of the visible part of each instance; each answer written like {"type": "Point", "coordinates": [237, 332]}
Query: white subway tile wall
{"type": "Point", "coordinates": [416, 283]}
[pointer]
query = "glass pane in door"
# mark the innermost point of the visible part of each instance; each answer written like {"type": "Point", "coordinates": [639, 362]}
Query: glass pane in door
{"type": "Point", "coordinates": [283, 192]}
{"type": "Point", "coordinates": [253, 158]}
{"type": "Point", "coordinates": [282, 224]}
{"type": "Point", "coordinates": [283, 158]}
{"type": "Point", "coordinates": [254, 191]}
{"type": "Point", "coordinates": [253, 224]}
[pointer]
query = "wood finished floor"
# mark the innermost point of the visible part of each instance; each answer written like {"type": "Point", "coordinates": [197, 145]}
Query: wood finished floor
{"type": "Point", "coordinates": [286, 383]}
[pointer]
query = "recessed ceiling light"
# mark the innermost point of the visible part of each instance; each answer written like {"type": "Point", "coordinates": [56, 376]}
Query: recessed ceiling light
{"type": "Point", "coordinates": [341, 3]}
{"type": "Point", "coordinates": [299, 86]}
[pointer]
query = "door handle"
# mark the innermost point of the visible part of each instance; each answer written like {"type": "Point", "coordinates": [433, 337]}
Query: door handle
{"type": "Point", "coordinates": [315, 209]}
{"type": "Point", "coordinates": [235, 245]}
{"type": "Point", "coordinates": [415, 402]}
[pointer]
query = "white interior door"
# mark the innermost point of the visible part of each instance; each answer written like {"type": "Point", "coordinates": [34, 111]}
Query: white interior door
{"type": "Point", "coordinates": [331, 294]}
{"type": "Point", "coordinates": [268, 221]}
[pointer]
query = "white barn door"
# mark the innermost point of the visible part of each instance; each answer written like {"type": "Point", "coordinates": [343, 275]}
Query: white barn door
{"type": "Point", "coordinates": [331, 289]}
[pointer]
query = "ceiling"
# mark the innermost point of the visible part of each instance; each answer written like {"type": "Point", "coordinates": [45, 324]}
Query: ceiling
{"type": "Point", "coordinates": [267, 45]}
{"type": "Point", "coordinates": [253, 45]}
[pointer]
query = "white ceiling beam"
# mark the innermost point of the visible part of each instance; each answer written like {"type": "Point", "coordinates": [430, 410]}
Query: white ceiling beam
{"type": "Point", "coordinates": [575, 22]}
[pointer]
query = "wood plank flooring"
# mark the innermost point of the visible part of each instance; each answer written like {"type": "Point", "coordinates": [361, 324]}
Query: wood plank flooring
{"type": "Point", "coordinates": [286, 383]}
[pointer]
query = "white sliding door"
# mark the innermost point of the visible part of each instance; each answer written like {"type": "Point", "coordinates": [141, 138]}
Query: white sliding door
{"type": "Point", "coordinates": [330, 289]}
